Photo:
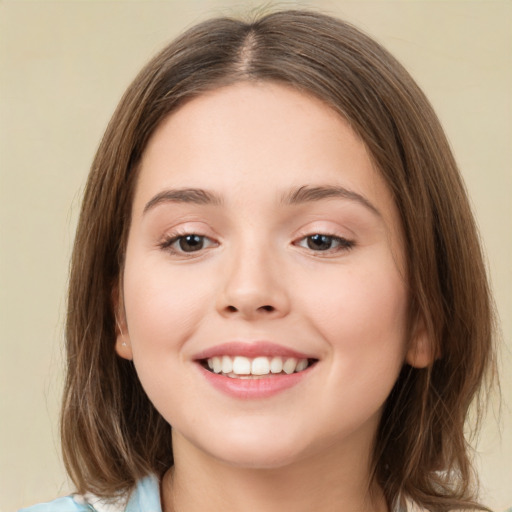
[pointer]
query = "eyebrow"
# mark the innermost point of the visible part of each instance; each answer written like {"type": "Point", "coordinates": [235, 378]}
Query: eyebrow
{"type": "Point", "coordinates": [304, 194]}
{"type": "Point", "coordinates": [183, 195]}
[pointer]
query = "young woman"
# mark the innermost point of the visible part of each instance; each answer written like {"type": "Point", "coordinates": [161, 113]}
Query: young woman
{"type": "Point", "coordinates": [277, 296]}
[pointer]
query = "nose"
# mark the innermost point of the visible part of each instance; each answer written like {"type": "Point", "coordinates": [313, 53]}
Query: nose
{"type": "Point", "coordinates": [253, 287]}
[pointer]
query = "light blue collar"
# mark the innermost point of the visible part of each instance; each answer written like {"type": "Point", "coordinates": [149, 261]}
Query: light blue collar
{"type": "Point", "coordinates": [146, 496]}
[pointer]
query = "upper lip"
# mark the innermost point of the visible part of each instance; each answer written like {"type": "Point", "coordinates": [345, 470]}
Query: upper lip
{"type": "Point", "coordinates": [250, 349]}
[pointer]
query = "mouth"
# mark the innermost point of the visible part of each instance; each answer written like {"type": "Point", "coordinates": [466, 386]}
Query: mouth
{"type": "Point", "coordinates": [242, 367]}
{"type": "Point", "coordinates": [254, 370]}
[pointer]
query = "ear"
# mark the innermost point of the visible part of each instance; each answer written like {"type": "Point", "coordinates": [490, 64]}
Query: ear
{"type": "Point", "coordinates": [123, 345]}
{"type": "Point", "coordinates": [421, 352]}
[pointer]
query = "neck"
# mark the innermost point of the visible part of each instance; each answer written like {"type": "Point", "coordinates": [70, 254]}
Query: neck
{"type": "Point", "coordinates": [327, 482]}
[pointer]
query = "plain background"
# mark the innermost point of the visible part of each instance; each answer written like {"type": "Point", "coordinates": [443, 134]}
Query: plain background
{"type": "Point", "coordinates": [64, 66]}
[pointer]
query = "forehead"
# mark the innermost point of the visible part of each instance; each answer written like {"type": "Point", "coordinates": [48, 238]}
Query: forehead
{"type": "Point", "coordinates": [257, 139]}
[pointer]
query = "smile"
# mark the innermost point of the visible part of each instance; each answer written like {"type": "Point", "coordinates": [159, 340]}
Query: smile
{"type": "Point", "coordinates": [254, 370]}
{"type": "Point", "coordinates": [241, 367]}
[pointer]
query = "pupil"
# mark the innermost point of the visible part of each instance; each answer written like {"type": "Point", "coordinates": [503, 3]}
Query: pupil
{"type": "Point", "coordinates": [191, 243]}
{"type": "Point", "coordinates": [319, 242]}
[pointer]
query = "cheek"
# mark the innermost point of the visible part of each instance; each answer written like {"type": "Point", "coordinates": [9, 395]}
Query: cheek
{"type": "Point", "coordinates": [163, 308]}
{"type": "Point", "coordinates": [162, 305]}
{"type": "Point", "coordinates": [362, 314]}
{"type": "Point", "coordinates": [363, 319]}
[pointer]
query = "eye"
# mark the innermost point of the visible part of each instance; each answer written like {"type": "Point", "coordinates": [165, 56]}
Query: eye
{"type": "Point", "coordinates": [189, 243]}
{"type": "Point", "coordinates": [323, 243]}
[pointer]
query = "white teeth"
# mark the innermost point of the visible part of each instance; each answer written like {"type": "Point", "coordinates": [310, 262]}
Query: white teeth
{"type": "Point", "coordinates": [241, 365]}
{"type": "Point", "coordinates": [217, 364]}
{"type": "Point", "coordinates": [301, 365]}
{"type": "Point", "coordinates": [290, 365]}
{"type": "Point", "coordinates": [227, 364]}
{"type": "Point", "coordinates": [276, 365]}
{"type": "Point", "coordinates": [260, 366]}
{"type": "Point", "coordinates": [244, 367]}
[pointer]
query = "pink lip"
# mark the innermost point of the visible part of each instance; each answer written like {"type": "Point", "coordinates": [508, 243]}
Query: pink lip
{"type": "Point", "coordinates": [263, 387]}
{"type": "Point", "coordinates": [251, 350]}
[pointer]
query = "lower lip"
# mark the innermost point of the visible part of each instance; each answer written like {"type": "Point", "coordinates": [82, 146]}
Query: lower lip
{"type": "Point", "coordinates": [262, 387]}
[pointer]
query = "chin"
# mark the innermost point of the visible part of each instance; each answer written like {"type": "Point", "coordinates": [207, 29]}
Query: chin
{"type": "Point", "coordinates": [266, 447]}
{"type": "Point", "coordinates": [258, 458]}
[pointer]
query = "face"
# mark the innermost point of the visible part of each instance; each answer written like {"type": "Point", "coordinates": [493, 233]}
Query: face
{"type": "Point", "coordinates": [264, 303]}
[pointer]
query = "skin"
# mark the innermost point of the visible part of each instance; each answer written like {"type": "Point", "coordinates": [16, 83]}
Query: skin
{"type": "Point", "coordinates": [256, 278]}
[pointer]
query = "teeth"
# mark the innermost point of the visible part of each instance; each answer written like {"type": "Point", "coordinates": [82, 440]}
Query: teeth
{"type": "Point", "coordinates": [244, 366]}
{"type": "Point", "coordinates": [227, 364]}
{"type": "Point", "coordinates": [290, 365]}
{"type": "Point", "coordinates": [301, 365]}
{"type": "Point", "coordinates": [241, 365]}
{"type": "Point", "coordinates": [276, 365]}
{"type": "Point", "coordinates": [260, 366]}
{"type": "Point", "coordinates": [217, 364]}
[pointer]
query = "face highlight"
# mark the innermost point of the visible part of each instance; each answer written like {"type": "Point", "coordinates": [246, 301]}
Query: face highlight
{"type": "Point", "coordinates": [263, 288]}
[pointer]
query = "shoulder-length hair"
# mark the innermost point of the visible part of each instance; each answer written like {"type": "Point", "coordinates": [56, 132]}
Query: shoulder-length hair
{"type": "Point", "coordinates": [111, 433]}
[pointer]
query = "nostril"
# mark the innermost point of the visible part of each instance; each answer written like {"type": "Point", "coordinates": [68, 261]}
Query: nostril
{"type": "Point", "coordinates": [233, 309]}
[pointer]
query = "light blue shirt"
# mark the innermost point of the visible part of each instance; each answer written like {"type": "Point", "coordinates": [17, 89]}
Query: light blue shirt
{"type": "Point", "coordinates": [145, 497]}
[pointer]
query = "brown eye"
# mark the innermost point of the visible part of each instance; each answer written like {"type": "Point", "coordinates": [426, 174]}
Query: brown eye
{"type": "Point", "coordinates": [187, 244]}
{"type": "Point", "coordinates": [322, 243]}
{"type": "Point", "coordinates": [190, 243]}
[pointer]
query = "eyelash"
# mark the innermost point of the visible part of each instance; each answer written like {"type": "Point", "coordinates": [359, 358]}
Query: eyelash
{"type": "Point", "coordinates": [175, 238]}
{"type": "Point", "coordinates": [342, 244]}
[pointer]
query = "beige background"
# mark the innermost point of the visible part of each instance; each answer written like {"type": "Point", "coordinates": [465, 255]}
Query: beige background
{"type": "Point", "coordinates": [63, 67]}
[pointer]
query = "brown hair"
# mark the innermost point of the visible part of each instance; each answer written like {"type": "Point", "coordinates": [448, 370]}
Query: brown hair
{"type": "Point", "coordinates": [111, 433]}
